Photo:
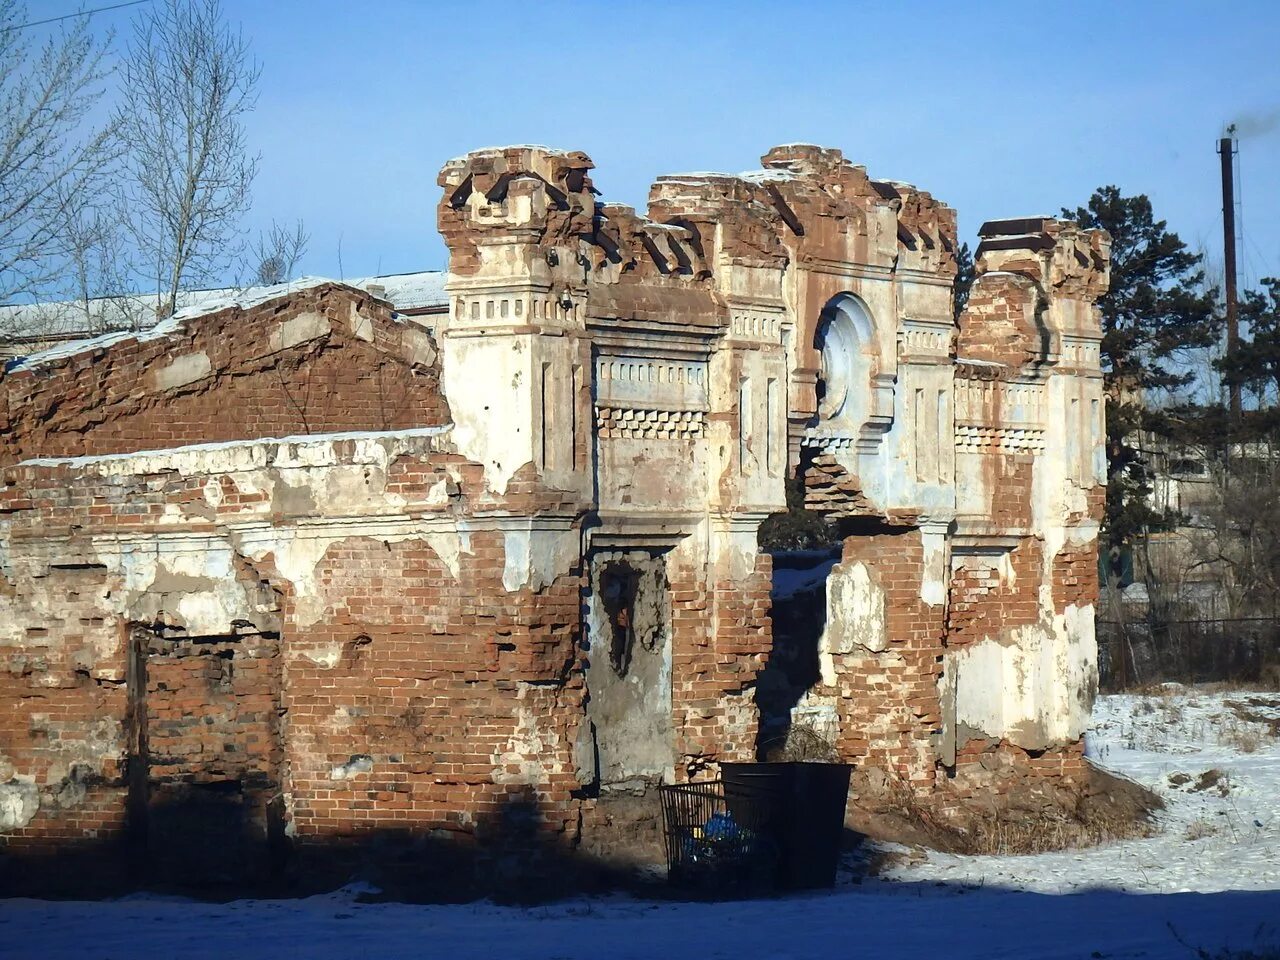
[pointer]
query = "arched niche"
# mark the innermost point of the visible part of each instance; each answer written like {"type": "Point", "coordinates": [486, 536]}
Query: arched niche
{"type": "Point", "coordinates": [845, 349]}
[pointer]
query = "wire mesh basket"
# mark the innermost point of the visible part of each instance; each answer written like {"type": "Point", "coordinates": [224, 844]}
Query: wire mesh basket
{"type": "Point", "coordinates": [715, 835]}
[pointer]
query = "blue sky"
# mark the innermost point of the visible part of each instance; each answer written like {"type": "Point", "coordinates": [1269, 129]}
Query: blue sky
{"type": "Point", "coordinates": [999, 109]}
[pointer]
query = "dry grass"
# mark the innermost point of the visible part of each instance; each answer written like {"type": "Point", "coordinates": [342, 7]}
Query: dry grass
{"type": "Point", "coordinates": [1246, 739]}
{"type": "Point", "coordinates": [1270, 677]}
{"type": "Point", "coordinates": [1028, 819]}
{"type": "Point", "coordinates": [1007, 834]}
{"type": "Point", "coordinates": [804, 744]}
{"type": "Point", "coordinates": [1159, 690]}
{"type": "Point", "coordinates": [1199, 829]}
{"type": "Point", "coordinates": [1251, 710]}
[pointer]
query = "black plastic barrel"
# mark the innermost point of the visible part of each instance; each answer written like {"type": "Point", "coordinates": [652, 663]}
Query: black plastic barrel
{"type": "Point", "coordinates": [803, 814]}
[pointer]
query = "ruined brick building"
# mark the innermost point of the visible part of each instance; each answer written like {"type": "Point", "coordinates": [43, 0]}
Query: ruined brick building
{"type": "Point", "coordinates": [303, 567]}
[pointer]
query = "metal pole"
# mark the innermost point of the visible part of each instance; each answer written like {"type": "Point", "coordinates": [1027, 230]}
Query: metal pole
{"type": "Point", "coordinates": [1226, 151]}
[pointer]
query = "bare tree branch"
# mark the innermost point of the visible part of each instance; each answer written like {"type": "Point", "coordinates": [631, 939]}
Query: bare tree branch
{"type": "Point", "coordinates": [52, 162]}
{"type": "Point", "coordinates": [188, 81]}
{"type": "Point", "coordinates": [278, 252]}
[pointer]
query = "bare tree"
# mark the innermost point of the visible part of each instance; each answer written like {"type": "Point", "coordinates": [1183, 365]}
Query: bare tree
{"type": "Point", "coordinates": [1237, 534]}
{"type": "Point", "coordinates": [277, 252]}
{"type": "Point", "coordinates": [52, 162]}
{"type": "Point", "coordinates": [187, 81]}
{"type": "Point", "coordinates": [99, 273]}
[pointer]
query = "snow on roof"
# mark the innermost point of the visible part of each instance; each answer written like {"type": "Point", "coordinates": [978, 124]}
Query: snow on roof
{"type": "Point", "coordinates": [51, 319]}
{"type": "Point", "coordinates": [1004, 273]}
{"type": "Point", "coordinates": [409, 291]}
{"type": "Point", "coordinates": [209, 301]}
{"type": "Point", "coordinates": [302, 438]}
{"type": "Point", "coordinates": [116, 318]}
{"type": "Point", "coordinates": [67, 318]}
{"type": "Point", "coordinates": [1028, 216]}
{"type": "Point", "coordinates": [701, 174]}
{"type": "Point", "coordinates": [698, 177]}
{"type": "Point", "coordinates": [1006, 237]}
{"type": "Point", "coordinates": [555, 152]}
{"type": "Point", "coordinates": [773, 173]}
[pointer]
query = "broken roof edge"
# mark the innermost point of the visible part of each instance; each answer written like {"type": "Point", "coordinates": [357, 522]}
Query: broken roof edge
{"type": "Point", "coordinates": [503, 148]}
{"type": "Point", "coordinates": [252, 297]}
{"type": "Point", "coordinates": [412, 292]}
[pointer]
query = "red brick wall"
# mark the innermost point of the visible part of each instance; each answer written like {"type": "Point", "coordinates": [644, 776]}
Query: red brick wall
{"type": "Point", "coordinates": [211, 753]}
{"type": "Point", "coordinates": [465, 697]}
{"type": "Point", "coordinates": [721, 637]}
{"type": "Point", "coordinates": [983, 604]}
{"type": "Point", "coordinates": [995, 323]}
{"type": "Point", "coordinates": [987, 771]}
{"type": "Point", "coordinates": [444, 682]}
{"type": "Point", "coordinates": [1009, 480]}
{"type": "Point", "coordinates": [211, 708]}
{"type": "Point", "coordinates": [1075, 576]}
{"type": "Point", "coordinates": [63, 705]}
{"type": "Point", "coordinates": [100, 401]}
{"type": "Point", "coordinates": [888, 703]}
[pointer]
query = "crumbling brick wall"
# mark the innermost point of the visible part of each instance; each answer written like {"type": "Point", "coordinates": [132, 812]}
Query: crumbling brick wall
{"type": "Point", "coordinates": [988, 595]}
{"type": "Point", "coordinates": [1000, 322]}
{"type": "Point", "coordinates": [415, 692]}
{"type": "Point", "coordinates": [429, 698]}
{"type": "Point", "coordinates": [61, 731]}
{"type": "Point", "coordinates": [1075, 576]}
{"type": "Point", "coordinates": [427, 586]}
{"type": "Point", "coordinates": [325, 359]}
{"type": "Point", "coordinates": [721, 637]}
{"type": "Point", "coordinates": [887, 699]}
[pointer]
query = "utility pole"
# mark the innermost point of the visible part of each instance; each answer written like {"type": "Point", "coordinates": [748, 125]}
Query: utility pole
{"type": "Point", "coordinates": [1227, 152]}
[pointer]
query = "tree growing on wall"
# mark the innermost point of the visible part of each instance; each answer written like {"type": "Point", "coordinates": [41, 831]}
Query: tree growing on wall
{"type": "Point", "coordinates": [188, 80]}
{"type": "Point", "coordinates": [1154, 315]}
{"type": "Point", "coordinates": [964, 280]}
{"type": "Point", "coordinates": [278, 251]}
{"type": "Point", "coordinates": [53, 161]}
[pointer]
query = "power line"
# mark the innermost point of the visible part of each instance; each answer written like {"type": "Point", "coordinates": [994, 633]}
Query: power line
{"type": "Point", "coordinates": [70, 16]}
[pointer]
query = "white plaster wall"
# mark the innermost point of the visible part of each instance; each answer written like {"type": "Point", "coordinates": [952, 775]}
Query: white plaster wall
{"type": "Point", "coordinates": [537, 553]}
{"type": "Point", "coordinates": [924, 300]}
{"type": "Point", "coordinates": [917, 462]}
{"type": "Point", "coordinates": [660, 476]}
{"type": "Point", "coordinates": [855, 616]}
{"type": "Point", "coordinates": [1032, 685]}
{"type": "Point", "coordinates": [490, 385]}
{"type": "Point", "coordinates": [751, 473]}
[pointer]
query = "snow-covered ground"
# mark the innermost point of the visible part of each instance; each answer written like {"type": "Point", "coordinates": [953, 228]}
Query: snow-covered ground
{"type": "Point", "coordinates": [1214, 758]}
{"type": "Point", "coordinates": [1209, 879]}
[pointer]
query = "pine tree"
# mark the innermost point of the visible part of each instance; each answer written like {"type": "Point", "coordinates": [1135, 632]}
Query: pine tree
{"type": "Point", "coordinates": [1154, 314]}
{"type": "Point", "coordinates": [1255, 365]}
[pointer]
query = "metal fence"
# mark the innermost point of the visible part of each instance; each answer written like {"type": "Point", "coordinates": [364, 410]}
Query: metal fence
{"type": "Point", "coordinates": [1243, 650]}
